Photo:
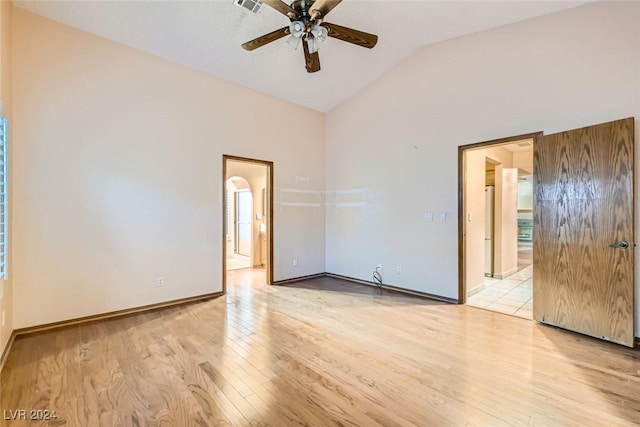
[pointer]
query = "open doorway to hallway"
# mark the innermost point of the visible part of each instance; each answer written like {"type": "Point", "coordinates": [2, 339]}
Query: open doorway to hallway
{"type": "Point", "coordinates": [248, 219]}
{"type": "Point", "coordinates": [238, 216]}
{"type": "Point", "coordinates": [497, 192]}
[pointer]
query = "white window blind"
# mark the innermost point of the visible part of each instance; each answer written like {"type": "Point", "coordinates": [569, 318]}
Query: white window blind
{"type": "Point", "coordinates": [4, 160]}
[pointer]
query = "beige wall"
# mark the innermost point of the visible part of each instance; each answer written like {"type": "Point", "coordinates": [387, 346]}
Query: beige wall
{"type": "Point", "coordinates": [557, 72]}
{"type": "Point", "coordinates": [507, 224]}
{"type": "Point", "coordinates": [117, 156]}
{"type": "Point", "coordinates": [258, 203]}
{"type": "Point", "coordinates": [475, 214]}
{"type": "Point", "coordinates": [475, 164]}
{"type": "Point", "coordinates": [6, 303]}
{"type": "Point", "coordinates": [523, 160]}
{"type": "Point", "coordinates": [118, 174]}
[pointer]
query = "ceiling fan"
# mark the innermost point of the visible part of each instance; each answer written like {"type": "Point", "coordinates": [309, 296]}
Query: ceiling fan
{"type": "Point", "coordinates": [308, 26]}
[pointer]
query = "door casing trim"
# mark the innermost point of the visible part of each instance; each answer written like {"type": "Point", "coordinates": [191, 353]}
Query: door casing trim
{"type": "Point", "coordinates": [462, 268]}
{"type": "Point", "coordinates": [269, 165]}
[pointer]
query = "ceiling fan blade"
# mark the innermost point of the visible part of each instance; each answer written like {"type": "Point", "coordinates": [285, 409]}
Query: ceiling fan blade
{"type": "Point", "coordinates": [350, 35]}
{"type": "Point", "coordinates": [267, 38]}
{"type": "Point", "coordinates": [320, 8]}
{"type": "Point", "coordinates": [282, 7]}
{"type": "Point", "coordinates": [312, 60]}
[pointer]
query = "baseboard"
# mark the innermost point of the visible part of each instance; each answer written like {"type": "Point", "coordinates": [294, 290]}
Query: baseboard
{"type": "Point", "coordinates": [507, 274]}
{"type": "Point", "coordinates": [350, 279]}
{"type": "Point", "coordinates": [395, 288]}
{"type": "Point", "coordinates": [298, 279]}
{"type": "Point", "coordinates": [112, 314]}
{"type": "Point", "coordinates": [476, 289]}
{"type": "Point", "coordinates": [5, 352]}
{"type": "Point", "coordinates": [421, 294]}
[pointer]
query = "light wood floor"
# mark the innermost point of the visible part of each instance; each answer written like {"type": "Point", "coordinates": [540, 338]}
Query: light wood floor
{"type": "Point", "coordinates": [320, 352]}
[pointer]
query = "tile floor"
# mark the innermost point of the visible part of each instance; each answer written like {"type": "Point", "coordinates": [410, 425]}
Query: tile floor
{"type": "Point", "coordinates": [512, 295]}
{"type": "Point", "coordinates": [236, 262]}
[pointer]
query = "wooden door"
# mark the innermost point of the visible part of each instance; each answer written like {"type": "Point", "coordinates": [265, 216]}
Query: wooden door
{"type": "Point", "coordinates": [583, 276]}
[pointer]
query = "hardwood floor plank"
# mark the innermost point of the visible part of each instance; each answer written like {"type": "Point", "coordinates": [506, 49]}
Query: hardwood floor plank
{"type": "Point", "coordinates": [320, 352]}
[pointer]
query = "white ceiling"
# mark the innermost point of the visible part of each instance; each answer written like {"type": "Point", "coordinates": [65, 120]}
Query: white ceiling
{"type": "Point", "coordinates": [207, 35]}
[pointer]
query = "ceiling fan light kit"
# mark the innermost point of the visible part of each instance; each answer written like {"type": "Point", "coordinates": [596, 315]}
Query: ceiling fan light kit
{"type": "Point", "coordinates": [307, 24]}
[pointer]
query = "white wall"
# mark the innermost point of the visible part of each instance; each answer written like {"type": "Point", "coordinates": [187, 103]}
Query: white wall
{"type": "Point", "coordinates": [117, 173]}
{"type": "Point", "coordinates": [571, 69]}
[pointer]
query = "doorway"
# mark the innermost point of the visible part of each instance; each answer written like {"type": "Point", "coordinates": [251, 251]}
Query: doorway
{"type": "Point", "coordinates": [496, 216]}
{"type": "Point", "coordinates": [238, 214]}
{"type": "Point", "coordinates": [247, 219]}
{"type": "Point", "coordinates": [583, 228]}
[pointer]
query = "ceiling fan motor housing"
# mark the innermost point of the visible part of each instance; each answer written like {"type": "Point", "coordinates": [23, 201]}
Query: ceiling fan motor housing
{"type": "Point", "coordinates": [303, 8]}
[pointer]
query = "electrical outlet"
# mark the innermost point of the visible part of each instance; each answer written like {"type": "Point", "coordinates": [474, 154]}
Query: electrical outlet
{"type": "Point", "coordinates": [443, 216]}
{"type": "Point", "coordinates": [160, 282]}
{"type": "Point", "coordinates": [428, 216]}
{"type": "Point", "coordinates": [398, 270]}
{"type": "Point", "coordinates": [295, 262]}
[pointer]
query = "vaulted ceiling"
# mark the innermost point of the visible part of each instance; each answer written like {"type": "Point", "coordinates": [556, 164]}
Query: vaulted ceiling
{"type": "Point", "coordinates": [207, 35]}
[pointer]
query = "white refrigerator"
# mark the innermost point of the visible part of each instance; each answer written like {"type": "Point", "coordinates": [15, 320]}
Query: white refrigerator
{"type": "Point", "coordinates": [489, 197]}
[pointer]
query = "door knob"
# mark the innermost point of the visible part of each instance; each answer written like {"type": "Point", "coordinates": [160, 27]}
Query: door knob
{"type": "Point", "coordinates": [621, 244]}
